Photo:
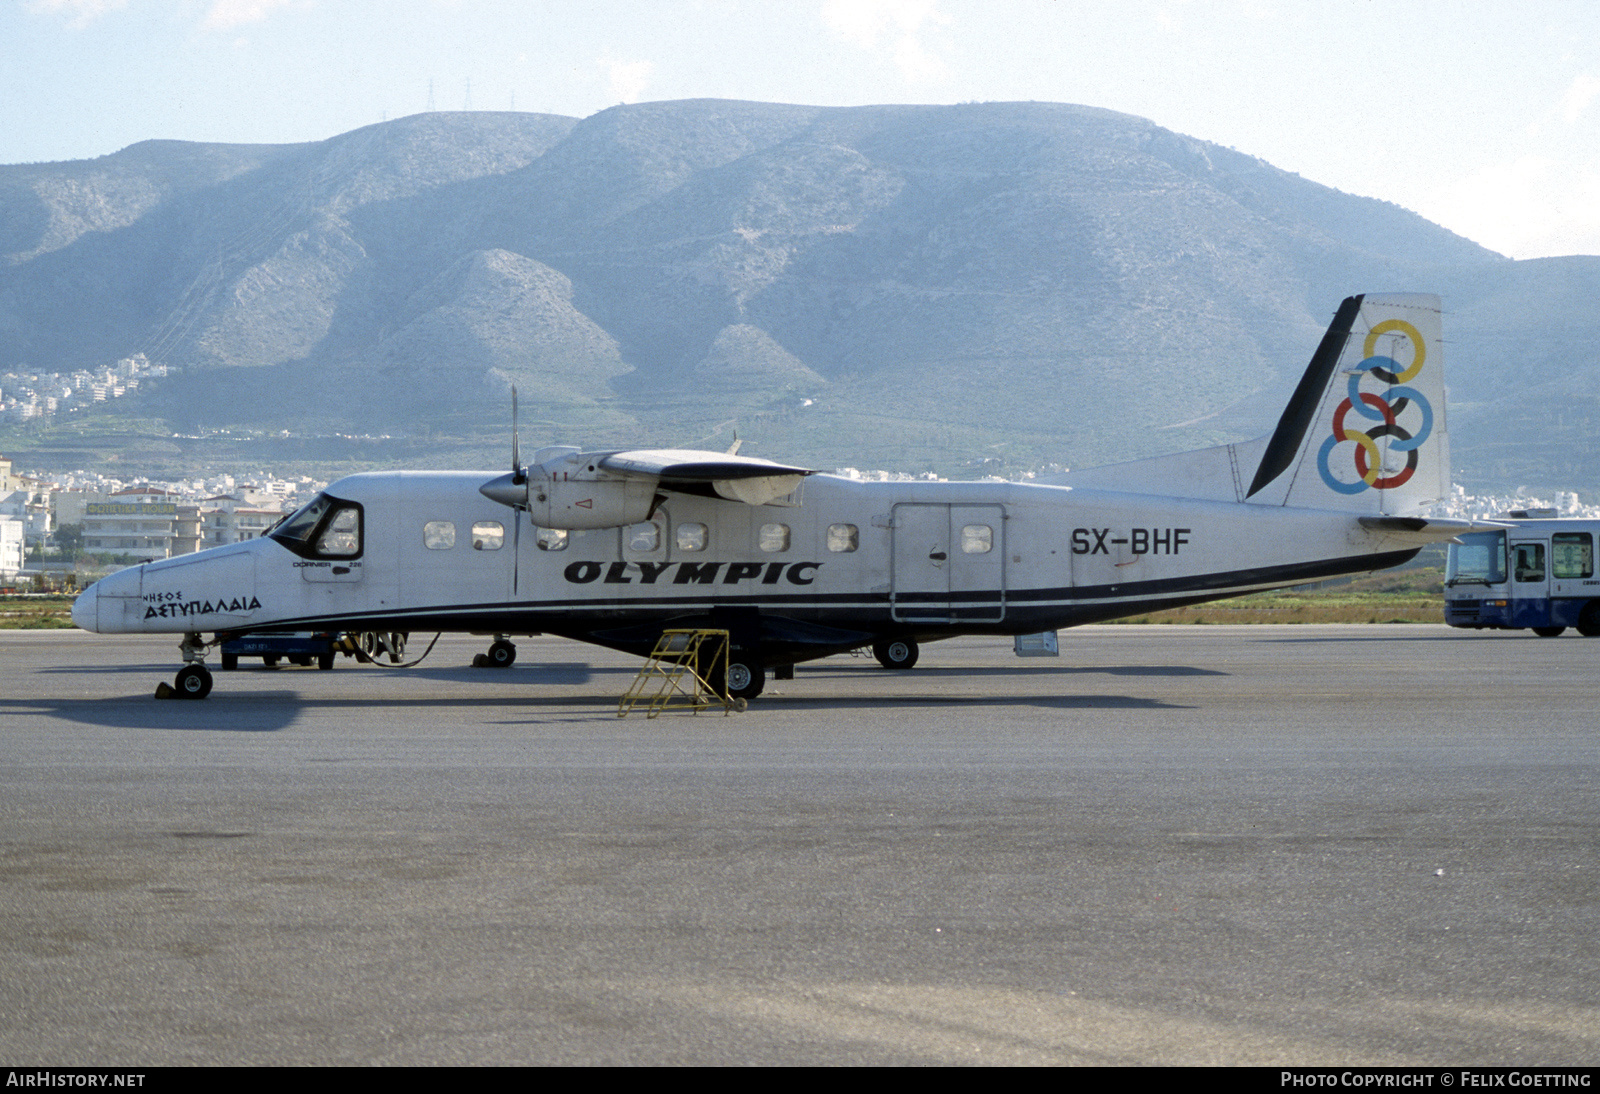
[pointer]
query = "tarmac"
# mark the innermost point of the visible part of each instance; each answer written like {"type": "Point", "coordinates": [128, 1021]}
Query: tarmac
{"type": "Point", "coordinates": [1274, 845]}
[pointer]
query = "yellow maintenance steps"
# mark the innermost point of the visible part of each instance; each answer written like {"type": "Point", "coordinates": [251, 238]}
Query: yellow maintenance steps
{"type": "Point", "coordinates": [677, 673]}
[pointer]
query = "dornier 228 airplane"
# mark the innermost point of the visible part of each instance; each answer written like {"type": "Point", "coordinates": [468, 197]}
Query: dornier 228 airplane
{"type": "Point", "coordinates": [613, 547]}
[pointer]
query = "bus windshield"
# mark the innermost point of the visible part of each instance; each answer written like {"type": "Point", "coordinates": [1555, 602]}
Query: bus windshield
{"type": "Point", "coordinates": [1480, 557]}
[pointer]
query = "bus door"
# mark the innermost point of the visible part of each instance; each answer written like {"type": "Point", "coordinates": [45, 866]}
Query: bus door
{"type": "Point", "coordinates": [1530, 584]}
{"type": "Point", "coordinates": [1571, 577]}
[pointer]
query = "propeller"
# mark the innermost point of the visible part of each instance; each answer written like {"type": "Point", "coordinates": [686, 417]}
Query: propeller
{"type": "Point", "coordinates": [516, 548]}
{"type": "Point", "coordinates": [512, 489]}
{"type": "Point", "coordinates": [518, 476]}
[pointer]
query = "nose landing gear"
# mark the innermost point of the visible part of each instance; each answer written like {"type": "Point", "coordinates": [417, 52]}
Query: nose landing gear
{"type": "Point", "coordinates": [193, 682]}
{"type": "Point", "coordinates": [194, 679]}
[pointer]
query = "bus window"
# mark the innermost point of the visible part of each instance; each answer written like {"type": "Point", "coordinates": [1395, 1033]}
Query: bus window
{"type": "Point", "coordinates": [1572, 554]}
{"type": "Point", "coordinates": [1480, 558]}
{"type": "Point", "coordinates": [1528, 561]}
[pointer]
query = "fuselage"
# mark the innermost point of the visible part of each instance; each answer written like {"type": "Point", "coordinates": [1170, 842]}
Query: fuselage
{"type": "Point", "coordinates": [843, 563]}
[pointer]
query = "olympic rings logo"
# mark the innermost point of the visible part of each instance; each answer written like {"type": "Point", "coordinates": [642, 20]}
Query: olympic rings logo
{"type": "Point", "coordinates": [1384, 409]}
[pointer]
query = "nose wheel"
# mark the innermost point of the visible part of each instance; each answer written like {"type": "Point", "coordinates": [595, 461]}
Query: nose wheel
{"type": "Point", "coordinates": [192, 682]}
{"type": "Point", "coordinates": [194, 679]}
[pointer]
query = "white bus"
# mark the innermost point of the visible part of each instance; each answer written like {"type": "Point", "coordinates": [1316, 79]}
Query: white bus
{"type": "Point", "coordinates": [1538, 574]}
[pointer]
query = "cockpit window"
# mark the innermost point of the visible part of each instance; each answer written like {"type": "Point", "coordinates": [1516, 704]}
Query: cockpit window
{"type": "Point", "coordinates": [325, 527]}
{"type": "Point", "coordinates": [299, 525]}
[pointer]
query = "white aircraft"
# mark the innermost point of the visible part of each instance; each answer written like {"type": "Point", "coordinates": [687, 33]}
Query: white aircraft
{"type": "Point", "coordinates": [613, 547]}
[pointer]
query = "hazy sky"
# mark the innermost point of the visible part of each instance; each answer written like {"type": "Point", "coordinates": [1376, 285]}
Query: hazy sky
{"type": "Point", "coordinates": [1484, 117]}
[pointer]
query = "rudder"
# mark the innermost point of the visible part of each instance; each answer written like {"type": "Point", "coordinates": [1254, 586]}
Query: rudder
{"type": "Point", "coordinates": [1365, 431]}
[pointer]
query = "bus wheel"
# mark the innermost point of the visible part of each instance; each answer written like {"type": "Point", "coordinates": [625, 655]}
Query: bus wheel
{"type": "Point", "coordinates": [1589, 621]}
{"type": "Point", "coordinates": [1548, 632]}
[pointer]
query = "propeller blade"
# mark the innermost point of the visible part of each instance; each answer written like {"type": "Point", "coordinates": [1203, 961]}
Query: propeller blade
{"type": "Point", "coordinates": [516, 460]}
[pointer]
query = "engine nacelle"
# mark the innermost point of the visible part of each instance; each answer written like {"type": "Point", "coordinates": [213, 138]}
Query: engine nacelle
{"type": "Point", "coordinates": [600, 501]}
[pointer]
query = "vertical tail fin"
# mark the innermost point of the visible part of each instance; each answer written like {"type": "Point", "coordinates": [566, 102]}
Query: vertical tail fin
{"type": "Point", "coordinates": [1365, 430]}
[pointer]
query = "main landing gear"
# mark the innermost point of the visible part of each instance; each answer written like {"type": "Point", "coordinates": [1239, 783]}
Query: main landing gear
{"type": "Point", "coordinates": [502, 655]}
{"type": "Point", "coordinates": [746, 679]}
{"type": "Point", "coordinates": [897, 653]}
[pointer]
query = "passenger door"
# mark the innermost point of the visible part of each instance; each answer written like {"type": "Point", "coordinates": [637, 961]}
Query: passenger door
{"type": "Point", "coordinates": [1530, 584]}
{"type": "Point", "coordinates": [948, 563]}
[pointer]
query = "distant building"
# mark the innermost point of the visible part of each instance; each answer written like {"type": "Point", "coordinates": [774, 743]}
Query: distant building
{"type": "Point", "coordinates": [146, 522]}
{"type": "Point", "coordinates": [13, 521]}
{"type": "Point", "coordinates": [234, 519]}
{"type": "Point", "coordinates": [11, 540]}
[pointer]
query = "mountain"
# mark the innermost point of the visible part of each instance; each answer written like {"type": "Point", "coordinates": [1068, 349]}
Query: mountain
{"type": "Point", "coordinates": [998, 286]}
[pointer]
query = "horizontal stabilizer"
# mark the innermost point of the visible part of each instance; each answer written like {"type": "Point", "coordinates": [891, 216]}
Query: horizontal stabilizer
{"type": "Point", "coordinates": [1424, 530]}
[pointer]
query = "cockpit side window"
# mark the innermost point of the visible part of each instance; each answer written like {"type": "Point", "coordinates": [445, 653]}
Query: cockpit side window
{"type": "Point", "coordinates": [326, 527]}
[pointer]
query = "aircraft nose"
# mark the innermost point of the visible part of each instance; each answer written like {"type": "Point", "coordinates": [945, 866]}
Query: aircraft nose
{"type": "Point", "coordinates": [506, 490]}
{"type": "Point", "coordinates": [86, 610]}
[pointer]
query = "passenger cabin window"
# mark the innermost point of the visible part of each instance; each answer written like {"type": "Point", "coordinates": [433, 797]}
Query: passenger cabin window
{"type": "Point", "coordinates": [552, 539]}
{"type": "Point", "coordinates": [488, 535]}
{"type": "Point", "coordinates": [977, 539]}
{"type": "Point", "coordinates": [644, 538]}
{"type": "Point", "coordinates": [691, 536]}
{"type": "Point", "coordinates": [1572, 554]}
{"type": "Point", "coordinates": [439, 535]}
{"type": "Point", "coordinates": [325, 527]}
{"type": "Point", "coordinates": [843, 537]}
{"type": "Point", "coordinates": [774, 537]}
{"type": "Point", "coordinates": [1527, 561]}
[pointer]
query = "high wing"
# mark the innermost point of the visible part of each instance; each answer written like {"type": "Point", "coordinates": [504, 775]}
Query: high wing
{"type": "Point", "coordinates": [575, 490]}
{"type": "Point", "coordinates": [736, 478]}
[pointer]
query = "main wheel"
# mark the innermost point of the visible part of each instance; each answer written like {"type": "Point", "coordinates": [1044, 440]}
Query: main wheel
{"type": "Point", "coordinates": [502, 654]}
{"type": "Point", "coordinates": [1548, 632]}
{"type": "Point", "coordinates": [270, 660]}
{"type": "Point", "coordinates": [193, 682]}
{"type": "Point", "coordinates": [745, 680]}
{"type": "Point", "coordinates": [325, 661]}
{"type": "Point", "coordinates": [1589, 621]}
{"type": "Point", "coordinates": [901, 653]}
{"type": "Point", "coordinates": [230, 661]}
